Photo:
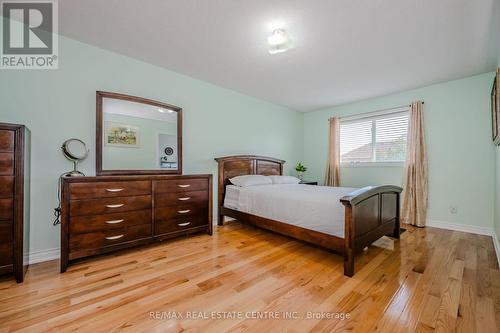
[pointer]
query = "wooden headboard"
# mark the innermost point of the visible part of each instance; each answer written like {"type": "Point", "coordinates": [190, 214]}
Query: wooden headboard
{"type": "Point", "coordinates": [232, 166]}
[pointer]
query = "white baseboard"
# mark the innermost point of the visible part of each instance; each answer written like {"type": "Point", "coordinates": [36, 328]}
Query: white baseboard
{"type": "Point", "coordinates": [43, 255]}
{"type": "Point", "coordinates": [460, 227]}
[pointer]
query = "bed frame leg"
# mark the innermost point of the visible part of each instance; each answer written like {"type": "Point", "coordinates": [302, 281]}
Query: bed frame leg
{"type": "Point", "coordinates": [221, 220]}
{"type": "Point", "coordinates": [349, 264]}
{"type": "Point", "coordinates": [397, 222]}
{"type": "Point", "coordinates": [396, 232]}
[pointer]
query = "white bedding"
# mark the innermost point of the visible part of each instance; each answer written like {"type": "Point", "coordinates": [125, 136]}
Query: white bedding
{"type": "Point", "coordinates": [312, 207]}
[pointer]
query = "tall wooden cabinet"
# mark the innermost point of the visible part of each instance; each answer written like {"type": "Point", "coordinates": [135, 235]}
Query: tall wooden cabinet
{"type": "Point", "coordinates": [14, 199]}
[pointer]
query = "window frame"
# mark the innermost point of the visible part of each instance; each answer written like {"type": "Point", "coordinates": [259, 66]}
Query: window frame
{"type": "Point", "coordinates": [373, 116]}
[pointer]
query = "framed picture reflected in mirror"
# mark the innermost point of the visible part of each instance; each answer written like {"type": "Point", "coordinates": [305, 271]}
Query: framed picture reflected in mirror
{"type": "Point", "coordinates": [121, 135]}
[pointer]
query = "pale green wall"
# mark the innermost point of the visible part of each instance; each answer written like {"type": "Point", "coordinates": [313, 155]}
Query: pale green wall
{"type": "Point", "coordinates": [143, 157]}
{"type": "Point", "coordinates": [60, 104]}
{"type": "Point", "coordinates": [361, 176]}
{"type": "Point", "coordinates": [460, 153]}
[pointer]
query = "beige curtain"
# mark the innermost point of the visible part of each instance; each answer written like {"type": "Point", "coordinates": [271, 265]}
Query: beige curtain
{"type": "Point", "coordinates": [414, 198]}
{"type": "Point", "coordinates": [332, 175]}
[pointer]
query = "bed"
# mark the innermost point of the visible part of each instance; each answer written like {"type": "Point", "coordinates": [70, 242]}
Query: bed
{"type": "Point", "coordinates": [342, 220]}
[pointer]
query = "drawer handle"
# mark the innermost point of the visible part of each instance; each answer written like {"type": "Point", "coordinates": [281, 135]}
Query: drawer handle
{"type": "Point", "coordinates": [183, 224]}
{"type": "Point", "coordinates": [114, 206]}
{"type": "Point", "coordinates": [114, 189]}
{"type": "Point", "coordinates": [184, 199]}
{"type": "Point", "coordinates": [114, 237]}
{"type": "Point", "coordinates": [183, 211]}
{"type": "Point", "coordinates": [115, 221]}
{"type": "Point", "coordinates": [184, 186]}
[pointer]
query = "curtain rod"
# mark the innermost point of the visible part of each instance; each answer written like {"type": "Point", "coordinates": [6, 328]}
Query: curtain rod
{"type": "Point", "coordinates": [401, 106]}
{"type": "Point", "coordinates": [360, 115]}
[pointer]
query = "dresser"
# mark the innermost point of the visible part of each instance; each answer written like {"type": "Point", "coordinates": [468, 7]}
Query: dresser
{"type": "Point", "coordinates": [107, 213]}
{"type": "Point", "coordinates": [14, 199]}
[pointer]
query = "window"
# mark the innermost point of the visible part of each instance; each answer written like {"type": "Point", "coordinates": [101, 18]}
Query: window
{"type": "Point", "coordinates": [374, 139]}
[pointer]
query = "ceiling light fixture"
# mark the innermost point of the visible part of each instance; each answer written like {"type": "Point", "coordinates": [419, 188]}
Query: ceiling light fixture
{"type": "Point", "coordinates": [277, 37]}
{"type": "Point", "coordinates": [279, 41]}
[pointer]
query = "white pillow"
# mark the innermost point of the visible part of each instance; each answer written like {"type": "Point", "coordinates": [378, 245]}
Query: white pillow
{"type": "Point", "coordinates": [284, 179]}
{"type": "Point", "coordinates": [250, 180]}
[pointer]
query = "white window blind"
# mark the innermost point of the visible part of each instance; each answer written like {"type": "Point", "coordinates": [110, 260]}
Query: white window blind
{"type": "Point", "coordinates": [372, 139]}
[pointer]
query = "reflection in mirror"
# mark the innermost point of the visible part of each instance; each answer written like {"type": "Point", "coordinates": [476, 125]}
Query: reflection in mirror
{"type": "Point", "coordinates": [167, 151]}
{"type": "Point", "coordinates": [138, 136]}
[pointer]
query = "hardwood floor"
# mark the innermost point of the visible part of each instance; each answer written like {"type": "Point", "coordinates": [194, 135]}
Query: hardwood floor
{"type": "Point", "coordinates": [430, 280]}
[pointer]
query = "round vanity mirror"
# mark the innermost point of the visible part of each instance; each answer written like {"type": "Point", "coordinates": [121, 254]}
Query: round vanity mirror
{"type": "Point", "coordinates": [75, 150]}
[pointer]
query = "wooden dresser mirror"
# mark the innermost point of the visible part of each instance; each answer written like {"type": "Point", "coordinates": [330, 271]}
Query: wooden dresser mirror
{"type": "Point", "coordinates": [140, 195]}
{"type": "Point", "coordinates": [136, 136]}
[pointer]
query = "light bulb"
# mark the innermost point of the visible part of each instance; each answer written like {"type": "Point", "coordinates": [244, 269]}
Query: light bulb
{"type": "Point", "coordinates": [278, 37]}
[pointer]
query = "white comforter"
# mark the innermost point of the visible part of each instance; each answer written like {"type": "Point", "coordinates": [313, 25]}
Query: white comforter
{"type": "Point", "coordinates": [312, 207]}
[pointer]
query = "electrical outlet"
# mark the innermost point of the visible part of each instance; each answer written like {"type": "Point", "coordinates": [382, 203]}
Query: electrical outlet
{"type": "Point", "coordinates": [453, 209]}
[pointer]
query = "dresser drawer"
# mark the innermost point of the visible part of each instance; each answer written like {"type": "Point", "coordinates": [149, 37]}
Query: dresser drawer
{"type": "Point", "coordinates": [6, 246]}
{"type": "Point", "coordinates": [82, 224]}
{"type": "Point", "coordinates": [6, 141]}
{"type": "Point", "coordinates": [109, 189]}
{"type": "Point", "coordinates": [6, 257]}
{"type": "Point", "coordinates": [6, 209]}
{"type": "Point", "coordinates": [180, 198]}
{"type": "Point", "coordinates": [7, 164]}
{"type": "Point", "coordinates": [109, 205]}
{"type": "Point", "coordinates": [93, 240]}
{"type": "Point", "coordinates": [6, 231]}
{"type": "Point", "coordinates": [6, 186]}
{"type": "Point", "coordinates": [180, 185]}
{"type": "Point", "coordinates": [165, 227]}
{"type": "Point", "coordinates": [180, 211]}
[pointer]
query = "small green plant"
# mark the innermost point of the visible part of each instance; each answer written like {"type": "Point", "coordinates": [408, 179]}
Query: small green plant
{"type": "Point", "coordinates": [300, 167]}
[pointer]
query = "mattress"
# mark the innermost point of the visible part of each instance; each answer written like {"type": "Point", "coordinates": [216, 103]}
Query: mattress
{"type": "Point", "coordinates": [316, 208]}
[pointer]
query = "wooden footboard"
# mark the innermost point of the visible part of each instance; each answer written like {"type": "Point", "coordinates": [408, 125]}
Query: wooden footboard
{"type": "Point", "coordinates": [370, 213]}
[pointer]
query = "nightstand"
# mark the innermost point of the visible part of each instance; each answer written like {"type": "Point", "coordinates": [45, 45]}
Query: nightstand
{"type": "Point", "coordinates": [307, 182]}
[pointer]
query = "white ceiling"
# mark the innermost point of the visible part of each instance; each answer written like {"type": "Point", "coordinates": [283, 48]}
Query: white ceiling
{"type": "Point", "coordinates": [346, 50]}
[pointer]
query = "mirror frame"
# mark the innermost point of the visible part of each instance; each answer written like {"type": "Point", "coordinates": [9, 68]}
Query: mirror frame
{"type": "Point", "coordinates": [99, 134]}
